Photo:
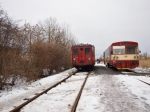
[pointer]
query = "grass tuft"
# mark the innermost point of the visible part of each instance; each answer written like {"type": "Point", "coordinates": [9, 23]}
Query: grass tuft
{"type": "Point", "coordinates": [144, 63]}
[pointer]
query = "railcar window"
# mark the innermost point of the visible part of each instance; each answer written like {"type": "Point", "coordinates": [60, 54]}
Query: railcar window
{"type": "Point", "coordinates": [131, 49]}
{"type": "Point", "coordinates": [75, 51]}
{"type": "Point", "coordinates": [87, 50]}
{"type": "Point", "coordinates": [118, 49]}
{"type": "Point", "coordinates": [107, 53]}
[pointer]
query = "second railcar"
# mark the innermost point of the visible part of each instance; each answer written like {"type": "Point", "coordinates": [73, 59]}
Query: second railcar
{"type": "Point", "coordinates": [83, 56]}
{"type": "Point", "coordinates": [122, 55]}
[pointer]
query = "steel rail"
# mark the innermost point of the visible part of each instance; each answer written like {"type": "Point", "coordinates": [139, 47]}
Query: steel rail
{"type": "Point", "coordinates": [144, 82]}
{"type": "Point", "coordinates": [79, 95]}
{"type": "Point", "coordinates": [17, 109]}
{"type": "Point", "coordinates": [136, 73]}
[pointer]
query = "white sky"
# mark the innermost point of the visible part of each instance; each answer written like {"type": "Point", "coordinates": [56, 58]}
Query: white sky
{"type": "Point", "coordinates": [98, 22]}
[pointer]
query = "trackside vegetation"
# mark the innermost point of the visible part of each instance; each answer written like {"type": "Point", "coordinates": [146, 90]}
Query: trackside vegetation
{"type": "Point", "coordinates": [28, 51]}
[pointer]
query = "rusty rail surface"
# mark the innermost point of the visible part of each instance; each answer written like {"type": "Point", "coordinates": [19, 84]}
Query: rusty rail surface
{"type": "Point", "coordinates": [17, 109]}
{"type": "Point", "coordinates": [79, 95]}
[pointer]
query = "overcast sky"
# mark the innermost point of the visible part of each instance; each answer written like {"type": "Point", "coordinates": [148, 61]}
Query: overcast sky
{"type": "Point", "coordinates": [97, 22]}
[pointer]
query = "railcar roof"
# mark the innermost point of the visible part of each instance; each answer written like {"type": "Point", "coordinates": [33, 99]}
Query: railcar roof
{"type": "Point", "coordinates": [124, 42]}
{"type": "Point", "coordinates": [82, 45]}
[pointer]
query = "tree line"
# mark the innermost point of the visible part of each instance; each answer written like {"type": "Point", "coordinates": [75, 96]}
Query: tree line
{"type": "Point", "coordinates": [26, 50]}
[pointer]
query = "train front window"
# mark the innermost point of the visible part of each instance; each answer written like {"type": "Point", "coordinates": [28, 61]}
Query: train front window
{"type": "Point", "coordinates": [132, 49]}
{"type": "Point", "coordinates": [75, 51]}
{"type": "Point", "coordinates": [118, 49]}
{"type": "Point", "coordinates": [87, 50]}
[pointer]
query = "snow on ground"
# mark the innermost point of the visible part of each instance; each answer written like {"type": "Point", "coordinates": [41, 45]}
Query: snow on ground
{"type": "Point", "coordinates": [89, 101]}
{"type": "Point", "coordinates": [60, 98]}
{"type": "Point", "coordinates": [145, 78]}
{"type": "Point", "coordinates": [10, 99]}
{"type": "Point", "coordinates": [107, 93]}
{"type": "Point", "coordinates": [142, 70]}
{"type": "Point", "coordinates": [140, 89]}
{"type": "Point", "coordinates": [102, 93]}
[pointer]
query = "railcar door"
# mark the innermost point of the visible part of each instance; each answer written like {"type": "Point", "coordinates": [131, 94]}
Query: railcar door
{"type": "Point", "coordinates": [88, 55]}
{"type": "Point", "coordinates": [81, 56]}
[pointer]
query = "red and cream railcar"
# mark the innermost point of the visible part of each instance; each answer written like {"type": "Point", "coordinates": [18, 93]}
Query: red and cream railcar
{"type": "Point", "coordinates": [122, 55]}
{"type": "Point", "coordinates": [83, 56]}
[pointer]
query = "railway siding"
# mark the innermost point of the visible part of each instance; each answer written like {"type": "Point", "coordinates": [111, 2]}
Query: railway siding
{"type": "Point", "coordinates": [105, 90]}
{"type": "Point", "coordinates": [8, 102]}
{"type": "Point", "coordinates": [17, 109]}
{"type": "Point", "coordinates": [60, 98]}
{"type": "Point", "coordinates": [112, 95]}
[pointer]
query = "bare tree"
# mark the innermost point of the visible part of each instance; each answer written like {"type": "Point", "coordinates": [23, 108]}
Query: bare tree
{"type": "Point", "coordinates": [26, 50]}
{"type": "Point", "coordinates": [10, 48]}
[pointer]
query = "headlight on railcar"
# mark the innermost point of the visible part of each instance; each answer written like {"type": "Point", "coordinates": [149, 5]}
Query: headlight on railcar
{"type": "Point", "coordinates": [74, 59]}
{"type": "Point", "coordinates": [115, 57]}
{"type": "Point", "coordinates": [89, 58]}
{"type": "Point", "coordinates": [136, 57]}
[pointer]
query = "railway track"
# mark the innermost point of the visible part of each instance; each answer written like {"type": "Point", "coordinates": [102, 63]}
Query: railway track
{"type": "Point", "coordinates": [73, 109]}
{"type": "Point", "coordinates": [144, 82]}
{"type": "Point", "coordinates": [79, 95]}
{"type": "Point", "coordinates": [131, 72]}
{"type": "Point", "coordinates": [17, 109]}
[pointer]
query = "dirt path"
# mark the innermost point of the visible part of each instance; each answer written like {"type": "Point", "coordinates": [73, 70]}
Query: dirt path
{"type": "Point", "coordinates": [100, 70]}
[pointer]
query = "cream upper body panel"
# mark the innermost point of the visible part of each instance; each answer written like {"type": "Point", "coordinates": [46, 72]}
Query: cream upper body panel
{"type": "Point", "coordinates": [125, 57]}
